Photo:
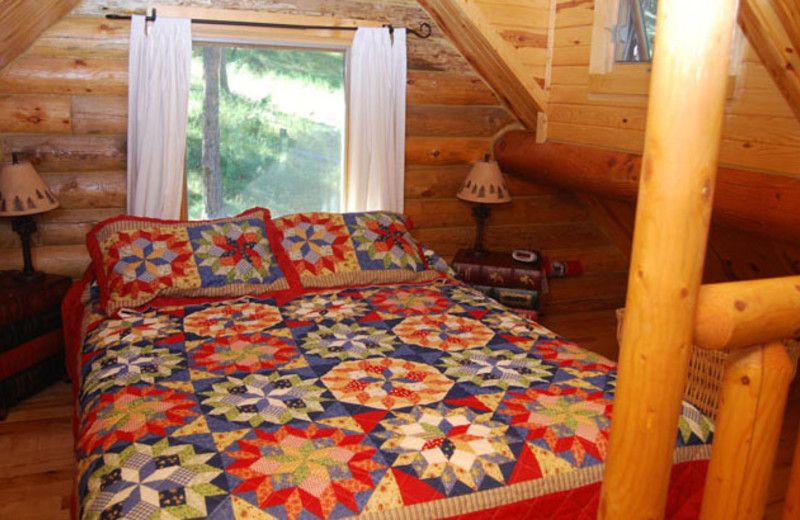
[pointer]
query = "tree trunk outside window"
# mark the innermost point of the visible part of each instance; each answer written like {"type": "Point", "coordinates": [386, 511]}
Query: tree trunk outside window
{"type": "Point", "coordinates": [212, 176]}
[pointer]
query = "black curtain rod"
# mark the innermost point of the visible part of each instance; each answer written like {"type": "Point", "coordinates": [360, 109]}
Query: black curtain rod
{"type": "Point", "coordinates": [424, 28]}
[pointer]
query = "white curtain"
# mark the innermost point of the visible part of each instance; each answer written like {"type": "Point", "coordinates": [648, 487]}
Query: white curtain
{"type": "Point", "coordinates": [158, 104]}
{"type": "Point", "coordinates": [377, 104]}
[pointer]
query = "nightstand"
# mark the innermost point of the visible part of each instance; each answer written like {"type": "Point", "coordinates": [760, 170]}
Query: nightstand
{"type": "Point", "coordinates": [31, 339]}
{"type": "Point", "coordinates": [511, 282]}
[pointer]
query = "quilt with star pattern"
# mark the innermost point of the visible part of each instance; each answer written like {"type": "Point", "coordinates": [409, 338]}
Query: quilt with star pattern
{"type": "Point", "coordinates": [394, 402]}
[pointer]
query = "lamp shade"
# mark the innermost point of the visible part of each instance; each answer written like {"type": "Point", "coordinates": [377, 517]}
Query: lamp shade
{"type": "Point", "coordinates": [484, 184]}
{"type": "Point", "coordinates": [23, 192]}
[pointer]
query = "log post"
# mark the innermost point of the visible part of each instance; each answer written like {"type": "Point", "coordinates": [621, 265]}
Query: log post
{"type": "Point", "coordinates": [791, 507]}
{"type": "Point", "coordinates": [754, 392]}
{"type": "Point", "coordinates": [684, 120]}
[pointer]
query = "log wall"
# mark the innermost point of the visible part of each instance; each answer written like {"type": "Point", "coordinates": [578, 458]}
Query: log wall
{"type": "Point", "coordinates": [63, 105]}
{"type": "Point", "coordinates": [760, 131]}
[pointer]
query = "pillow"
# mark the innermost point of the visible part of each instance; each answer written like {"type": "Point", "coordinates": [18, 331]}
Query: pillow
{"type": "Point", "coordinates": [334, 249]}
{"type": "Point", "coordinates": [139, 259]}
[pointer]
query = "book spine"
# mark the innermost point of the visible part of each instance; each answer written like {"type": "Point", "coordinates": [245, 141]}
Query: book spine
{"type": "Point", "coordinates": [530, 279]}
{"type": "Point", "coordinates": [511, 297]}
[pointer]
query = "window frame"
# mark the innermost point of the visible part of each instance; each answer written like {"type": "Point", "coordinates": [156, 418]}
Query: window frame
{"type": "Point", "coordinates": [607, 76]}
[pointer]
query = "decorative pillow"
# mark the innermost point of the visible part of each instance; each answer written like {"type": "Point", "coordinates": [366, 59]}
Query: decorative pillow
{"type": "Point", "coordinates": [139, 259]}
{"type": "Point", "coordinates": [334, 249]}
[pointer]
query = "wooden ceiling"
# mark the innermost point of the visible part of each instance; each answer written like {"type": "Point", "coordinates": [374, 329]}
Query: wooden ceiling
{"type": "Point", "coordinates": [22, 21]}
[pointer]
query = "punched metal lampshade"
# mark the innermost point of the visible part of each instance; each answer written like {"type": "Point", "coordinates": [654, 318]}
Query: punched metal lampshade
{"type": "Point", "coordinates": [23, 192]}
{"type": "Point", "coordinates": [484, 184]}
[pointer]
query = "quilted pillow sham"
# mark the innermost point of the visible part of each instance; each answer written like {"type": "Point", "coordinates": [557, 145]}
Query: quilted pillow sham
{"type": "Point", "coordinates": [139, 259]}
{"type": "Point", "coordinates": [335, 249]}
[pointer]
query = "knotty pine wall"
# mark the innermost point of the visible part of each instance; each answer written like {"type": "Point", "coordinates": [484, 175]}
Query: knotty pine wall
{"type": "Point", "coordinates": [63, 107]}
{"type": "Point", "coordinates": [760, 130]}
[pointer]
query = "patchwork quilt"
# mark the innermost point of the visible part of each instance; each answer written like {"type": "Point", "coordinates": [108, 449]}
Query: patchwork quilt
{"type": "Point", "coordinates": [399, 402]}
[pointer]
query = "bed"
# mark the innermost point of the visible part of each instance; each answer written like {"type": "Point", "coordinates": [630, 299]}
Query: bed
{"type": "Point", "coordinates": [328, 366]}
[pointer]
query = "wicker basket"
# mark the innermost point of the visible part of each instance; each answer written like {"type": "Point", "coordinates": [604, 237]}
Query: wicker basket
{"type": "Point", "coordinates": [706, 368]}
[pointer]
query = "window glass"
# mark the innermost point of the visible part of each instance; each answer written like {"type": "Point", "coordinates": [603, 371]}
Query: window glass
{"type": "Point", "coordinates": [636, 30]}
{"type": "Point", "coordinates": [266, 128]}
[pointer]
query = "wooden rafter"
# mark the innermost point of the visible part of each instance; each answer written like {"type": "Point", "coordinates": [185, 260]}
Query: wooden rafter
{"type": "Point", "coordinates": [471, 33]}
{"type": "Point", "coordinates": [22, 21]}
{"type": "Point", "coordinates": [773, 29]}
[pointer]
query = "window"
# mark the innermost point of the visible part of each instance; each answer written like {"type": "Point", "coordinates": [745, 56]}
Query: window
{"type": "Point", "coordinates": [636, 30]}
{"type": "Point", "coordinates": [266, 128]}
{"type": "Point", "coordinates": [623, 38]}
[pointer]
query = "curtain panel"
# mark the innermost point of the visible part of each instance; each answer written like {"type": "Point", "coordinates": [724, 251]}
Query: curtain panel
{"type": "Point", "coordinates": [158, 103]}
{"type": "Point", "coordinates": [377, 105]}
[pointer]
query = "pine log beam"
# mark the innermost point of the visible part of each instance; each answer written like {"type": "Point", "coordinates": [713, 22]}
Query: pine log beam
{"type": "Point", "coordinates": [740, 314]}
{"type": "Point", "coordinates": [773, 29]}
{"type": "Point", "coordinates": [22, 21]}
{"type": "Point", "coordinates": [491, 56]}
{"type": "Point", "coordinates": [754, 392]}
{"type": "Point", "coordinates": [756, 202]}
{"type": "Point", "coordinates": [673, 215]}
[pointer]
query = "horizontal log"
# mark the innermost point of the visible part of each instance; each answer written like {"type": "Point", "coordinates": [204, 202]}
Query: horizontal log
{"type": "Point", "coordinates": [447, 88]}
{"type": "Point", "coordinates": [35, 114]}
{"type": "Point", "coordinates": [84, 36]}
{"type": "Point", "coordinates": [456, 121]}
{"type": "Point", "coordinates": [438, 213]}
{"type": "Point", "coordinates": [435, 54]}
{"type": "Point", "coordinates": [753, 312]}
{"type": "Point", "coordinates": [438, 182]}
{"type": "Point", "coordinates": [755, 202]}
{"type": "Point", "coordinates": [59, 227]}
{"type": "Point", "coordinates": [447, 241]}
{"type": "Point", "coordinates": [69, 153]}
{"type": "Point", "coordinates": [89, 190]}
{"type": "Point", "coordinates": [46, 75]}
{"type": "Point", "coordinates": [66, 260]}
{"type": "Point", "coordinates": [99, 114]}
{"type": "Point", "coordinates": [445, 151]}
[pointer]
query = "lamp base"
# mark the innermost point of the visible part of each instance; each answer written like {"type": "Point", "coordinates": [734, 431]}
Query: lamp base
{"type": "Point", "coordinates": [480, 212]}
{"type": "Point", "coordinates": [25, 226]}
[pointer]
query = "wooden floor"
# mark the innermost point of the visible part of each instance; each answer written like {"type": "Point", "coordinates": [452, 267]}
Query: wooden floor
{"type": "Point", "coordinates": [36, 465]}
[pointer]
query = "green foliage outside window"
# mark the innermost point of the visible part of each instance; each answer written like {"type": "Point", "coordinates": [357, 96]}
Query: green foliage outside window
{"type": "Point", "coordinates": [277, 151]}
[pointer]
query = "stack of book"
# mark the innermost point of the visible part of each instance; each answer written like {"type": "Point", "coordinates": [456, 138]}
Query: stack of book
{"type": "Point", "coordinates": [511, 282]}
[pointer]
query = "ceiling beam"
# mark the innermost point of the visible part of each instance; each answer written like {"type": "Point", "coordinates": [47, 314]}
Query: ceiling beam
{"type": "Point", "coordinates": [773, 29]}
{"type": "Point", "coordinates": [22, 21]}
{"type": "Point", "coordinates": [755, 202]}
{"type": "Point", "coordinates": [491, 56]}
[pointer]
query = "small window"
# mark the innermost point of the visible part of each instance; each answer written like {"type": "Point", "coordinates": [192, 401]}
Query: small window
{"type": "Point", "coordinates": [266, 128]}
{"type": "Point", "coordinates": [636, 30]}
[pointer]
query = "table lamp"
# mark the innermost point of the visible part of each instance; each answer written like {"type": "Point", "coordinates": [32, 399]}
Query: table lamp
{"type": "Point", "coordinates": [23, 194]}
{"type": "Point", "coordinates": [485, 185]}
